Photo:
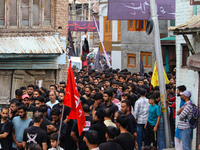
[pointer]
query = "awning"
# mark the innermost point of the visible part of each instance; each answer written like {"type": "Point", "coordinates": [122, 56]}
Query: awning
{"type": "Point", "coordinates": [171, 38]}
{"type": "Point", "coordinates": [168, 41]}
{"type": "Point", "coordinates": [45, 45]}
{"type": "Point", "coordinates": [190, 27]}
{"type": "Point", "coordinates": [193, 62]}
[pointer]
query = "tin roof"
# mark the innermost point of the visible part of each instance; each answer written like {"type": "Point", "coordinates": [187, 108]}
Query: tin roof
{"type": "Point", "coordinates": [193, 25]}
{"type": "Point", "coordinates": [31, 45]}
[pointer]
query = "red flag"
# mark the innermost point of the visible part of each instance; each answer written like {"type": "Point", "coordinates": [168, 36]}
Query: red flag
{"type": "Point", "coordinates": [72, 100]}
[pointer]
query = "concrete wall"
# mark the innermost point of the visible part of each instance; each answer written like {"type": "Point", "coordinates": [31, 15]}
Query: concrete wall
{"type": "Point", "coordinates": [185, 76]}
{"type": "Point", "coordinates": [134, 43]}
{"type": "Point", "coordinates": [137, 42]}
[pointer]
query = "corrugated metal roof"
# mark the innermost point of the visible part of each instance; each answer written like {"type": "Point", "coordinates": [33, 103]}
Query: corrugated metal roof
{"type": "Point", "coordinates": [31, 45]}
{"type": "Point", "coordinates": [193, 23]}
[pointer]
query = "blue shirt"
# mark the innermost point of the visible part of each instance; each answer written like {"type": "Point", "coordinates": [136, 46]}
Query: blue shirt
{"type": "Point", "coordinates": [19, 125]}
{"type": "Point", "coordinates": [154, 112]}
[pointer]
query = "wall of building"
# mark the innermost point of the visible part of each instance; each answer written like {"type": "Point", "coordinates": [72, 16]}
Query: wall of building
{"type": "Point", "coordinates": [17, 78]}
{"type": "Point", "coordinates": [14, 79]}
{"type": "Point", "coordinates": [184, 76]}
{"type": "Point", "coordinates": [135, 43]}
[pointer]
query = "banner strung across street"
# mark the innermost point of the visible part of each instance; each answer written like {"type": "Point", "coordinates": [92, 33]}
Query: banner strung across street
{"type": "Point", "coordinates": [82, 26]}
{"type": "Point", "coordinates": [139, 9]}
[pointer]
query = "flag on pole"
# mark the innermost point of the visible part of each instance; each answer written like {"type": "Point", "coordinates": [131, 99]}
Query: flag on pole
{"type": "Point", "coordinates": [154, 79]}
{"type": "Point", "coordinates": [141, 66]}
{"type": "Point", "coordinates": [71, 44]}
{"type": "Point", "coordinates": [72, 100]}
{"type": "Point", "coordinates": [104, 50]}
{"type": "Point", "coordinates": [97, 65]}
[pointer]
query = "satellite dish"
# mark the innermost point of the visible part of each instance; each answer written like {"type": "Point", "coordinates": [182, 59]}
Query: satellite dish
{"type": "Point", "coordinates": [149, 26]}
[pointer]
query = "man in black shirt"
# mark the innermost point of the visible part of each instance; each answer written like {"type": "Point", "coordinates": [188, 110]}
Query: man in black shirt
{"type": "Point", "coordinates": [6, 127]}
{"type": "Point", "coordinates": [14, 104]}
{"type": "Point", "coordinates": [91, 139]}
{"type": "Point", "coordinates": [110, 143]}
{"type": "Point", "coordinates": [125, 139]}
{"type": "Point", "coordinates": [45, 122]}
{"type": "Point", "coordinates": [126, 109]}
{"type": "Point", "coordinates": [99, 126]}
{"type": "Point", "coordinates": [31, 108]}
{"type": "Point", "coordinates": [34, 134]}
{"type": "Point", "coordinates": [74, 133]}
{"type": "Point", "coordinates": [65, 139]}
{"type": "Point", "coordinates": [98, 100]}
{"type": "Point", "coordinates": [60, 106]}
{"type": "Point", "coordinates": [107, 97]}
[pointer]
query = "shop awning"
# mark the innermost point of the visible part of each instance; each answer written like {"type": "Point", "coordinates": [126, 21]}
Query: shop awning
{"type": "Point", "coordinates": [171, 38]}
{"type": "Point", "coordinates": [45, 45]}
{"type": "Point", "coordinates": [190, 27]}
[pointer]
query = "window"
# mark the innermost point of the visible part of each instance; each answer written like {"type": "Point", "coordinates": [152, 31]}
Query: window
{"type": "Point", "coordinates": [185, 55]}
{"type": "Point", "coordinates": [172, 22]}
{"type": "Point", "coordinates": [36, 13]}
{"type": "Point", "coordinates": [2, 12]}
{"type": "Point", "coordinates": [47, 12]}
{"type": "Point", "coordinates": [146, 59]}
{"type": "Point", "coordinates": [26, 13]}
{"type": "Point", "coordinates": [107, 29]}
{"type": "Point", "coordinates": [13, 12]}
{"type": "Point", "coordinates": [131, 60]}
{"type": "Point", "coordinates": [136, 25]}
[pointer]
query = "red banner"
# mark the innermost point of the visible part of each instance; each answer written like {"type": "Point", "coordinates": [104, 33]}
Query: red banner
{"type": "Point", "coordinates": [72, 100]}
{"type": "Point", "coordinates": [82, 26]}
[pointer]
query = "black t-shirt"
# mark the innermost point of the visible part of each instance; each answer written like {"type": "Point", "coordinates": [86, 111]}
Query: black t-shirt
{"type": "Point", "coordinates": [131, 123]}
{"type": "Point", "coordinates": [66, 113]}
{"type": "Point", "coordinates": [100, 127]}
{"type": "Point", "coordinates": [34, 134]}
{"type": "Point", "coordinates": [66, 110]}
{"type": "Point", "coordinates": [82, 144]}
{"type": "Point", "coordinates": [6, 143]}
{"type": "Point", "coordinates": [112, 107]}
{"type": "Point", "coordinates": [109, 145]}
{"type": "Point", "coordinates": [65, 139]}
{"type": "Point", "coordinates": [126, 141]}
{"type": "Point", "coordinates": [44, 124]}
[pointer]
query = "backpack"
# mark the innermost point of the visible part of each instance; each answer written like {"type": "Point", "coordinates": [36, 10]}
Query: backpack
{"type": "Point", "coordinates": [195, 116]}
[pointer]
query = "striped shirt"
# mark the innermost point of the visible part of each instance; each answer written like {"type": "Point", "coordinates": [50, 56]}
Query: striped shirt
{"type": "Point", "coordinates": [185, 116]}
{"type": "Point", "coordinates": [141, 110]}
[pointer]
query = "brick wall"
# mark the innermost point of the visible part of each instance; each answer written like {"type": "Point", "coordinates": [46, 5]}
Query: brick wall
{"type": "Point", "coordinates": [61, 26]}
{"type": "Point", "coordinates": [61, 17]}
{"type": "Point", "coordinates": [60, 20]}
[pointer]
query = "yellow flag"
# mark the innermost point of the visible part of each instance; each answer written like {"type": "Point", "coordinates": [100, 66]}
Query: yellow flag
{"type": "Point", "coordinates": [154, 79]}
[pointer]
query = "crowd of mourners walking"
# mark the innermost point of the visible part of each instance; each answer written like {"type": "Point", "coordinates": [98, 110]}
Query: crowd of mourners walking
{"type": "Point", "coordinates": [122, 111]}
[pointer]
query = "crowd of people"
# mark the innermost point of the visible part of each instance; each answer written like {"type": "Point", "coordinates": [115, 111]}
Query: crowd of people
{"type": "Point", "coordinates": [122, 111]}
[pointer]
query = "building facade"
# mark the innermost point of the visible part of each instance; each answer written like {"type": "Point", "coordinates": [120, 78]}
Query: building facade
{"type": "Point", "coordinates": [128, 42]}
{"type": "Point", "coordinates": [187, 55]}
{"type": "Point", "coordinates": [32, 44]}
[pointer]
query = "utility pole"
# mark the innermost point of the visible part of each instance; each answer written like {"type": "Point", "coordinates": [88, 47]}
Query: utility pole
{"type": "Point", "coordinates": [160, 68]}
{"type": "Point", "coordinates": [89, 19]}
{"type": "Point", "coordinates": [82, 18]}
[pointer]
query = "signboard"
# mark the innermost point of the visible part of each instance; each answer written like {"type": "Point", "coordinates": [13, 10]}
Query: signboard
{"type": "Point", "coordinates": [82, 26]}
{"type": "Point", "coordinates": [195, 2]}
{"type": "Point", "coordinates": [140, 9]}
